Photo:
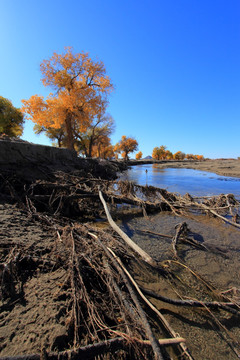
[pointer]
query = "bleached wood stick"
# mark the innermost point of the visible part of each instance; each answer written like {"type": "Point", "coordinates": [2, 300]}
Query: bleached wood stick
{"type": "Point", "coordinates": [147, 258]}
{"type": "Point", "coordinates": [161, 317]}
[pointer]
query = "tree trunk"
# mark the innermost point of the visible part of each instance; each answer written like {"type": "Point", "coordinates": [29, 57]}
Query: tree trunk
{"type": "Point", "coordinates": [90, 147]}
{"type": "Point", "coordinates": [68, 123]}
{"type": "Point", "coordinates": [99, 150]}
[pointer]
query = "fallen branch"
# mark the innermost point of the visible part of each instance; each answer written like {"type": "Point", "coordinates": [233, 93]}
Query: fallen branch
{"type": "Point", "coordinates": [163, 320]}
{"type": "Point", "coordinates": [171, 206]}
{"type": "Point", "coordinates": [192, 242]}
{"type": "Point", "coordinates": [227, 306]}
{"type": "Point", "coordinates": [91, 351]}
{"type": "Point", "coordinates": [207, 208]}
{"type": "Point", "coordinates": [221, 217]}
{"type": "Point", "coordinates": [145, 323]}
{"type": "Point", "coordinates": [147, 258]}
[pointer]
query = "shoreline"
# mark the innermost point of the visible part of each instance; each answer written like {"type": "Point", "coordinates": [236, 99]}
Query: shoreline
{"type": "Point", "coordinates": [48, 206]}
{"type": "Point", "coordinates": [223, 167]}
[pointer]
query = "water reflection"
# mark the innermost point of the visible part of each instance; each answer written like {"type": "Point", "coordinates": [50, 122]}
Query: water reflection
{"type": "Point", "coordinates": [197, 183]}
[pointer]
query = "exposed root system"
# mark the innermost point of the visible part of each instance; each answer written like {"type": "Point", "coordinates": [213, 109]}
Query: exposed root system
{"type": "Point", "coordinates": [104, 311]}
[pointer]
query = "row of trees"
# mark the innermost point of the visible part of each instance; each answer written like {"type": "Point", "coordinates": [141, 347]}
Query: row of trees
{"type": "Point", "coordinates": [161, 153]}
{"type": "Point", "coordinates": [94, 142]}
{"type": "Point", "coordinates": [74, 113]}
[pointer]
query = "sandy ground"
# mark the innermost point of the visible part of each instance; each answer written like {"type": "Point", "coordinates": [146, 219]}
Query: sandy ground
{"type": "Point", "coordinates": [35, 320]}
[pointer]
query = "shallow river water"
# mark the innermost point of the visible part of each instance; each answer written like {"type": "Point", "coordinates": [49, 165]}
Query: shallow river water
{"type": "Point", "coordinates": [195, 182]}
{"type": "Point", "coordinates": [209, 335]}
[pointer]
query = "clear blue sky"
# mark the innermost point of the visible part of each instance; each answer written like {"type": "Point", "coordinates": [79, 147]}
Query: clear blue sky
{"type": "Point", "coordinates": [175, 65]}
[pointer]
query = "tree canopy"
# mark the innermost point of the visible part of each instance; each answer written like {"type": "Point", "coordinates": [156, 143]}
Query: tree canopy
{"type": "Point", "coordinates": [126, 146]}
{"type": "Point", "coordinates": [179, 155]}
{"type": "Point", "coordinates": [139, 155]}
{"type": "Point", "coordinates": [160, 153]}
{"type": "Point", "coordinates": [11, 118]}
{"type": "Point", "coordinates": [93, 142]}
{"type": "Point", "coordinates": [81, 88]}
{"type": "Point", "coordinates": [96, 136]}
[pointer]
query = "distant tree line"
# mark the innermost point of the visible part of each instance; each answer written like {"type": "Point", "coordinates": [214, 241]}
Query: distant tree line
{"type": "Point", "coordinates": [161, 153]}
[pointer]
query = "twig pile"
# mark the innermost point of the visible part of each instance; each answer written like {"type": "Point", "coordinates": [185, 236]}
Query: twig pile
{"type": "Point", "coordinates": [106, 311]}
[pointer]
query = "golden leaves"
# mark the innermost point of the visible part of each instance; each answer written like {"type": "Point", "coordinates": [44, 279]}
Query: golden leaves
{"type": "Point", "coordinates": [139, 155]}
{"type": "Point", "coordinates": [126, 146]}
{"type": "Point", "coordinates": [81, 87]}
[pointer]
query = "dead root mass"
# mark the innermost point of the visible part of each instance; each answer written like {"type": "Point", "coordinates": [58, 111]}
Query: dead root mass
{"type": "Point", "coordinates": [72, 284]}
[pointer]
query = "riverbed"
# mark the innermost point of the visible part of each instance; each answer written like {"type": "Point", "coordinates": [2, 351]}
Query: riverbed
{"type": "Point", "coordinates": [218, 267]}
{"type": "Point", "coordinates": [206, 332]}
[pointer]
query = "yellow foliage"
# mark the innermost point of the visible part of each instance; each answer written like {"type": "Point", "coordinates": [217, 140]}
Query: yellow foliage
{"type": "Point", "coordinates": [81, 89]}
{"type": "Point", "coordinates": [139, 155]}
{"type": "Point", "coordinates": [126, 146]}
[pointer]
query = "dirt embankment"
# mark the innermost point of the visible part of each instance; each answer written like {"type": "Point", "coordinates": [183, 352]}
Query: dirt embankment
{"type": "Point", "coordinates": [32, 161]}
{"type": "Point", "coordinates": [35, 297]}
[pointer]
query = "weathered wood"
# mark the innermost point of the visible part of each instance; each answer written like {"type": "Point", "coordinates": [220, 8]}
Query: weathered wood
{"type": "Point", "coordinates": [163, 320]}
{"type": "Point", "coordinates": [82, 194]}
{"type": "Point", "coordinates": [156, 233]}
{"type": "Point", "coordinates": [147, 258]}
{"type": "Point", "coordinates": [222, 251]}
{"type": "Point", "coordinates": [91, 351]}
{"type": "Point", "coordinates": [144, 321]}
{"type": "Point", "coordinates": [220, 216]}
{"type": "Point", "coordinates": [227, 306]}
{"type": "Point", "coordinates": [180, 228]}
{"type": "Point", "coordinates": [207, 208]}
{"type": "Point", "coordinates": [170, 205]}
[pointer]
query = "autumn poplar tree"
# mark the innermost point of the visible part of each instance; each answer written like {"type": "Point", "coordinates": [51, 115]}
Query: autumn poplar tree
{"type": "Point", "coordinates": [97, 133]}
{"type": "Point", "coordinates": [159, 152]}
{"type": "Point", "coordinates": [139, 155]}
{"type": "Point", "coordinates": [57, 136]}
{"type": "Point", "coordinates": [104, 149]}
{"type": "Point", "coordinates": [81, 88]}
{"type": "Point", "coordinates": [125, 146]}
{"type": "Point", "coordinates": [179, 155]}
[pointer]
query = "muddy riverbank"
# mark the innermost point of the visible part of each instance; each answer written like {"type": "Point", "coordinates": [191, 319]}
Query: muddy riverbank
{"type": "Point", "coordinates": [62, 288]}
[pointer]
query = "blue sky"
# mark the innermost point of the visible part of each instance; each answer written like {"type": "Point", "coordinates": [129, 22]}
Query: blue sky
{"type": "Point", "coordinates": [175, 65]}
